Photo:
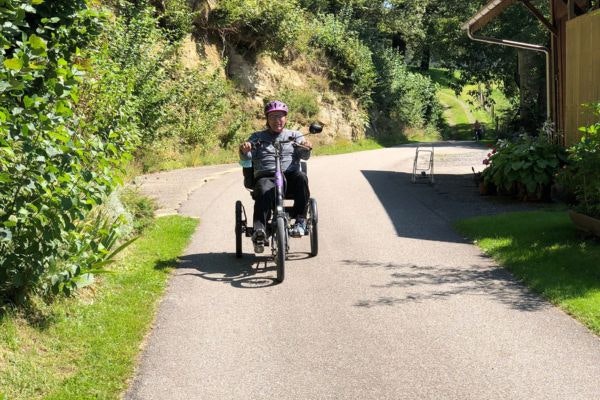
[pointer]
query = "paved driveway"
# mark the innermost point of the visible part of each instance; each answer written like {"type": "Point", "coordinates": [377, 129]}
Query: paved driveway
{"type": "Point", "coordinates": [395, 306]}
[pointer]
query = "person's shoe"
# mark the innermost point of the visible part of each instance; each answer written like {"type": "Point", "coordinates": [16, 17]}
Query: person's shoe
{"type": "Point", "coordinates": [299, 228]}
{"type": "Point", "coordinates": [258, 238]}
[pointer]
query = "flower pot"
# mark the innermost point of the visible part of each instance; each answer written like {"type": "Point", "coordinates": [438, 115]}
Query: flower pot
{"type": "Point", "coordinates": [585, 223]}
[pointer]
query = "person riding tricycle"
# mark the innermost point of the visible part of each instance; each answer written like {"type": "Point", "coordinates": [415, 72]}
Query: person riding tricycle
{"type": "Point", "coordinates": [263, 161]}
{"type": "Point", "coordinates": [274, 170]}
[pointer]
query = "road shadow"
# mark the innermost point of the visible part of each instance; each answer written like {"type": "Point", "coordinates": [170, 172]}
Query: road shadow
{"type": "Point", "coordinates": [426, 211]}
{"type": "Point", "coordinates": [249, 272]}
{"type": "Point", "coordinates": [439, 283]}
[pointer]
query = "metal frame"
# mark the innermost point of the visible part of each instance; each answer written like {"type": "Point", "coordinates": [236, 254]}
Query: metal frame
{"type": "Point", "coordinates": [418, 171]}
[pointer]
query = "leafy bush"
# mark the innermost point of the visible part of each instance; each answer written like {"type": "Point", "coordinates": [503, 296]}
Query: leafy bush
{"type": "Point", "coordinates": [129, 66]}
{"type": "Point", "coordinates": [175, 19]}
{"type": "Point", "coordinates": [302, 103]}
{"type": "Point", "coordinates": [525, 167]}
{"type": "Point", "coordinates": [581, 175]}
{"type": "Point", "coordinates": [408, 98]}
{"type": "Point", "coordinates": [198, 102]}
{"type": "Point", "coordinates": [140, 207]}
{"type": "Point", "coordinates": [352, 65]}
{"type": "Point", "coordinates": [53, 169]}
{"type": "Point", "coordinates": [260, 25]}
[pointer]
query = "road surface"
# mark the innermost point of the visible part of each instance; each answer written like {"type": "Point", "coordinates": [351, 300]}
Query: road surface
{"type": "Point", "coordinates": [396, 305]}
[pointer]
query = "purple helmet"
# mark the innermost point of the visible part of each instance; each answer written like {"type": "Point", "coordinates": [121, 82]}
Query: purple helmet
{"type": "Point", "coordinates": [275, 105]}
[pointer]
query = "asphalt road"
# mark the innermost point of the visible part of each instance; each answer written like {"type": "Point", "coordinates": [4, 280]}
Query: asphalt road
{"type": "Point", "coordinates": [396, 305]}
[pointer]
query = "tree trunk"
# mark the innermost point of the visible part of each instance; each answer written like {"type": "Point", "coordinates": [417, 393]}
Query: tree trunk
{"type": "Point", "coordinates": [532, 93]}
{"type": "Point", "coordinates": [425, 58]}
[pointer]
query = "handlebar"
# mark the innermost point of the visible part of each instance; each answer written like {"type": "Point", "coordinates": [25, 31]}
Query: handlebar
{"type": "Point", "coordinates": [257, 143]}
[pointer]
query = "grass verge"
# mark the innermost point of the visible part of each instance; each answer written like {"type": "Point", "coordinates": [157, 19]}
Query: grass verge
{"type": "Point", "coordinates": [86, 347]}
{"type": "Point", "coordinates": [543, 250]}
{"type": "Point", "coordinates": [345, 146]}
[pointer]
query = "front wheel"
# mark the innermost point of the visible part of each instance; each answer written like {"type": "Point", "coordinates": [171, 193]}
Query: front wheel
{"type": "Point", "coordinates": [280, 243]}
{"type": "Point", "coordinates": [313, 219]}
{"type": "Point", "coordinates": [238, 229]}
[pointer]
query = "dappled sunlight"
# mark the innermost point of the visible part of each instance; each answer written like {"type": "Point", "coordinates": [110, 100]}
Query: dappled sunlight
{"type": "Point", "coordinates": [410, 283]}
{"type": "Point", "coordinates": [546, 254]}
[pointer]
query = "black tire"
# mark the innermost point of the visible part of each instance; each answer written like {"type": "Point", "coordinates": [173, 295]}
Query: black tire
{"type": "Point", "coordinates": [238, 229]}
{"type": "Point", "coordinates": [313, 231]}
{"type": "Point", "coordinates": [279, 241]}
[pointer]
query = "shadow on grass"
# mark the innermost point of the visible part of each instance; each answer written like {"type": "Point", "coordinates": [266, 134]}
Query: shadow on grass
{"type": "Point", "coordinates": [164, 264]}
{"type": "Point", "coordinates": [438, 283]}
{"type": "Point", "coordinates": [545, 252]}
{"type": "Point", "coordinates": [37, 315]}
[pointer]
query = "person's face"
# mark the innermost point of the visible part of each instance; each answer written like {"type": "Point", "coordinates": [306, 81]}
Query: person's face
{"type": "Point", "coordinates": [276, 121]}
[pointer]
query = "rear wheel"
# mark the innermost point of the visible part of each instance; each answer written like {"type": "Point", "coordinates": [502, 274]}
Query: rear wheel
{"type": "Point", "coordinates": [313, 231]}
{"type": "Point", "coordinates": [238, 228]}
{"type": "Point", "coordinates": [279, 241]}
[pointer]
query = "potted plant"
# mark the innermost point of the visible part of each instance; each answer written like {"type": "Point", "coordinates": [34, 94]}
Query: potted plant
{"type": "Point", "coordinates": [524, 168]}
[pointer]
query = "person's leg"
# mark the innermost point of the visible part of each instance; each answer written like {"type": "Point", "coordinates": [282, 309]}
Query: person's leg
{"type": "Point", "coordinates": [297, 189]}
{"type": "Point", "coordinates": [264, 195]}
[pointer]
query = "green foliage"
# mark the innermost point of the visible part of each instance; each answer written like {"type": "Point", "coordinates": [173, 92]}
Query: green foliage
{"type": "Point", "coordinates": [198, 104]}
{"type": "Point", "coordinates": [86, 347]}
{"type": "Point", "coordinates": [352, 65]}
{"type": "Point", "coordinates": [581, 175]}
{"type": "Point", "coordinates": [544, 254]}
{"type": "Point", "coordinates": [409, 98]}
{"type": "Point", "coordinates": [139, 79]}
{"type": "Point", "coordinates": [302, 103]}
{"type": "Point", "coordinates": [140, 207]}
{"type": "Point", "coordinates": [175, 19]}
{"type": "Point", "coordinates": [525, 167]}
{"type": "Point", "coordinates": [53, 169]}
{"type": "Point", "coordinates": [129, 66]}
{"type": "Point", "coordinates": [260, 25]}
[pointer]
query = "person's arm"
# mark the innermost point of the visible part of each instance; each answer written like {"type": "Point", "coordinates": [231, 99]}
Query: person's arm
{"type": "Point", "coordinates": [303, 148]}
{"type": "Point", "coordinates": [245, 149]}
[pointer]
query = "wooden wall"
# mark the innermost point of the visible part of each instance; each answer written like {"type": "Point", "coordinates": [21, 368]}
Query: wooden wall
{"type": "Point", "coordinates": [582, 72]}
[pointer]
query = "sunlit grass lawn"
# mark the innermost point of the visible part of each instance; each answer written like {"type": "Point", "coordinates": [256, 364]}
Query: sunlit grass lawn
{"type": "Point", "coordinates": [86, 347]}
{"type": "Point", "coordinates": [342, 146]}
{"type": "Point", "coordinates": [454, 113]}
{"type": "Point", "coordinates": [543, 249]}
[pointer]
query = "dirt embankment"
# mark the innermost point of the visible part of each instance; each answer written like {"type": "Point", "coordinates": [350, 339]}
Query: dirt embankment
{"type": "Point", "coordinates": [264, 77]}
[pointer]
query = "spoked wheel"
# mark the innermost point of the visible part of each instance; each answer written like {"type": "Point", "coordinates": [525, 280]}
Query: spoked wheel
{"type": "Point", "coordinates": [239, 228]}
{"type": "Point", "coordinates": [313, 231]}
{"type": "Point", "coordinates": [279, 247]}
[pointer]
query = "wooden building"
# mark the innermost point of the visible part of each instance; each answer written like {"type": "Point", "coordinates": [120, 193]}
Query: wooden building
{"type": "Point", "coordinates": [572, 61]}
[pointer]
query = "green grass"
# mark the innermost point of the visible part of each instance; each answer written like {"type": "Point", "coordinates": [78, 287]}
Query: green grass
{"type": "Point", "coordinates": [456, 111]}
{"type": "Point", "coordinates": [86, 347]}
{"type": "Point", "coordinates": [459, 111]}
{"type": "Point", "coordinates": [544, 251]}
{"type": "Point", "coordinates": [342, 146]}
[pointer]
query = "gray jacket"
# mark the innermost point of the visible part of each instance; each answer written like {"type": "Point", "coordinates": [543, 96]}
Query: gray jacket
{"type": "Point", "coordinates": [263, 157]}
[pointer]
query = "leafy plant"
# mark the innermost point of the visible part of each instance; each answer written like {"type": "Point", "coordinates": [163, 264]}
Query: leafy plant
{"type": "Point", "coordinates": [582, 172]}
{"type": "Point", "coordinates": [52, 171]}
{"type": "Point", "coordinates": [302, 103]}
{"type": "Point", "coordinates": [352, 65]}
{"type": "Point", "coordinates": [525, 167]}
{"type": "Point", "coordinates": [141, 208]}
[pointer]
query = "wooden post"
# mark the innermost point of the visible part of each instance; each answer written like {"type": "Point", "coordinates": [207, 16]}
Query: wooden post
{"type": "Point", "coordinates": [571, 9]}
